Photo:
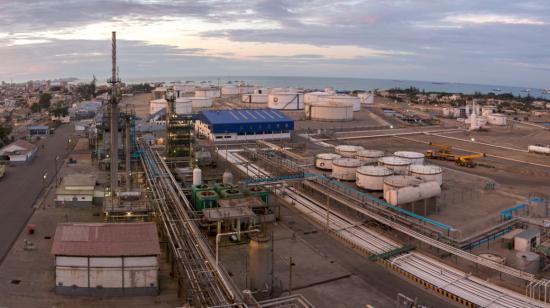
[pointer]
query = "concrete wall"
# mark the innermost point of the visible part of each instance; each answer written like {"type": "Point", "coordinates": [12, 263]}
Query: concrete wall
{"type": "Point", "coordinates": [107, 275]}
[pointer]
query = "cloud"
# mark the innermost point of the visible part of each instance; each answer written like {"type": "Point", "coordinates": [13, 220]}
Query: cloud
{"type": "Point", "coordinates": [492, 19]}
{"type": "Point", "coordinates": [454, 40]}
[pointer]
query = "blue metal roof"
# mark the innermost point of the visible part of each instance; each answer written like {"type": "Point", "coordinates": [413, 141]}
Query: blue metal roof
{"type": "Point", "coordinates": [246, 120]}
{"type": "Point", "coordinates": [39, 127]}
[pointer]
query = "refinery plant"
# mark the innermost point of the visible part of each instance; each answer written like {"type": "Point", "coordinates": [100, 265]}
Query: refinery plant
{"type": "Point", "coordinates": [240, 195]}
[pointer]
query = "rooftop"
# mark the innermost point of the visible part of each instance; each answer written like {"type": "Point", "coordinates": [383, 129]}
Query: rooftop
{"type": "Point", "coordinates": [529, 234]}
{"type": "Point", "coordinates": [21, 144]}
{"type": "Point", "coordinates": [104, 239]}
{"type": "Point", "coordinates": [243, 116]}
{"type": "Point", "coordinates": [246, 120]}
{"type": "Point", "coordinates": [79, 179]}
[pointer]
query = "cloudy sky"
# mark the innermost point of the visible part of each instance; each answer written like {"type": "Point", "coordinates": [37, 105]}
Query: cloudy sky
{"type": "Point", "coordinates": [505, 42]}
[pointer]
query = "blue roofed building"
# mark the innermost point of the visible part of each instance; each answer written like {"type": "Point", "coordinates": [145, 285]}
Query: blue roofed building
{"type": "Point", "coordinates": [243, 124]}
{"type": "Point", "coordinates": [35, 130]}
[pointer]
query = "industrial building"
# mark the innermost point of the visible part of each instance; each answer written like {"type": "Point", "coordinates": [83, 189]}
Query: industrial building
{"type": "Point", "coordinates": [243, 124]}
{"type": "Point", "coordinates": [76, 190]}
{"type": "Point", "coordinates": [39, 130]}
{"type": "Point", "coordinates": [99, 259]}
{"type": "Point", "coordinates": [19, 152]}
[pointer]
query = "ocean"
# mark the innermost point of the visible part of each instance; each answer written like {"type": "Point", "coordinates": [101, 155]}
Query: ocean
{"type": "Point", "coordinates": [348, 84]}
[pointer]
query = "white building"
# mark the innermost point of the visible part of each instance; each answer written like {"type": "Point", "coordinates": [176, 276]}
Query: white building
{"type": "Point", "coordinates": [76, 190]}
{"type": "Point", "coordinates": [20, 152]}
{"type": "Point", "coordinates": [102, 259]}
{"type": "Point", "coordinates": [527, 240]}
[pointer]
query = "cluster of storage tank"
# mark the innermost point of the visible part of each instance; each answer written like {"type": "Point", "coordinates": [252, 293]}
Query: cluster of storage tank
{"type": "Point", "coordinates": [402, 177]}
{"type": "Point", "coordinates": [329, 106]}
{"type": "Point", "coordinates": [322, 106]}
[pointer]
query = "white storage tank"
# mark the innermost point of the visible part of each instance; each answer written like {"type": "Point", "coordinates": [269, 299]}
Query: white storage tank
{"type": "Point", "coordinates": [183, 105]}
{"type": "Point", "coordinates": [330, 90]}
{"type": "Point", "coordinates": [329, 111]}
{"type": "Point", "coordinates": [227, 177]}
{"type": "Point", "coordinates": [528, 261]}
{"type": "Point", "coordinates": [201, 102]}
{"type": "Point", "coordinates": [260, 90]}
{"type": "Point", "coordinates": [399, 181]}
{"type": "Point", "coordinates": [539, 149]}
{"type": "Point", "coordinates": [230, 89]}
{"type": "Point", "coordinates": [207, 92]}
{"type": "Point", "coordinates": [344, 168]}
{"type": "Point", "coordinates": [372, 177]}
{"type": "Point", "coordinates": [313, 97]}
{"type": "Point", "coordinates": [498, 119]}
{"type": "Point", "coordinates": [369, 156]}
{"type": "Point", "coordinates": [197, 176]}
{"type": "Point", "coordinates": [488, 110]}
{"type": "Point", "coordinates": [348, 150]}
{"type": "Point", "coordinates": [416, 158]}
{"type": "Point", "coordinates": [254, 98]}
{"type": "Point", "coordinates": [181, 89]}
{"type": "Point", "coordinates": [323, 161]}
{"type": "Point", "coordinates": [397, 164]}
{"type": "Point", "coordinates": [246, 89]}
{"type": "Point", "coordinates": [366, 98]}
{"type": "Point", "coordinates": [286, 101]}
{"type": "Point", "coordinates": [408, 194]}
{"type": "Point", "coordinates": [354, 100]}
{"type": "Point", "coordinates": [156, 105]}
{"type": "Point", "coordinates": [427, 173]}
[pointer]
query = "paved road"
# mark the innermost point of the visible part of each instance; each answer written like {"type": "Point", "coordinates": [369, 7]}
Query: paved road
{"type": "Point", "coordinates": [22, 185]}
{"type": "Point", "coordinates": [382, 283]}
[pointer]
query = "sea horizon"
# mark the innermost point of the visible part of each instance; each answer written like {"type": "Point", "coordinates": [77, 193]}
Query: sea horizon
{"type": "Point", "coordinates": [342, 84]}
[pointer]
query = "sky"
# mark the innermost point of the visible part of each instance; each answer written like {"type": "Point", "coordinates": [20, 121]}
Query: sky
{"type": "Point", "coordinates": [500, 42]}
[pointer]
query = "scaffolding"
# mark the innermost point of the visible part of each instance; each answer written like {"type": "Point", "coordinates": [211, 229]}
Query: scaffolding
{"type": "Point", "coordinates": [179, 134]}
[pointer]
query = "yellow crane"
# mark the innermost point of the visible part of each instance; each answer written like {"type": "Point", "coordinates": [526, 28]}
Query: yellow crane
{"type": "Point", "coordinates": [444, 153]}
{"type": "Point", "coordinates": [468, 160]}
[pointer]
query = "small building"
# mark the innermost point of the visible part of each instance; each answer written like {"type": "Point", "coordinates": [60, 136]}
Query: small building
{"type": "Point", "coordinates": [527, 240]}
{"type": "Point", "coordinates": [76, 190]}
{"type": "Point", "coordinates": [20, 152]}
{"type": "Point", "coordinates": [103, 259]}
{"type": "Point", "coordinates": [39, 130]}
{"type": "Point", "coordinates": [243, 124]}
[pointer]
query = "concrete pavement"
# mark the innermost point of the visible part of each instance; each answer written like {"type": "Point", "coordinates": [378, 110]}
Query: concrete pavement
{"type": "Point", "coordinates": [22, 185]}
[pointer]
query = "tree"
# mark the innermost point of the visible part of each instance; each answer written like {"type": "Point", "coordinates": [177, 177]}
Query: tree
{"type": "Point", "coordinates": [4, 133]}
{"type": "Point", "coordinates": [60, 111]}
{"type": "Point", "coordinates": [35, 108]}
{"type": "Point", "coordinates": [44, 100]}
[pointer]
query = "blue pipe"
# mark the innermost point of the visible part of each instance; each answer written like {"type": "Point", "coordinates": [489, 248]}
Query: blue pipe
{"type": "Point", "coordinates": [383, 203]}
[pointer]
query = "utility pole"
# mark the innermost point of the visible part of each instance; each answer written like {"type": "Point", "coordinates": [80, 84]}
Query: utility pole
{"type": "Point", "coordinates": [55, 162]}
{"type": "Point", "coordinates": [290, 264]}
{"type": "Point", "coordinates": [328, 213]}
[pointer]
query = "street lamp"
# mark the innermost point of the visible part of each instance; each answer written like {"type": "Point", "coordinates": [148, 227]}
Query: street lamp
{"type": "Point", "coordinates": [473, 139]}
{"type": "Point", "coordinates": [55, 162]}
{"type": "Point", "coordinates": [44, 176]}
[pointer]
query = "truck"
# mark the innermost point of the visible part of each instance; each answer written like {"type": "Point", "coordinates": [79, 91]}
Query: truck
{"type": "Point", "coordinates": [444, 153]}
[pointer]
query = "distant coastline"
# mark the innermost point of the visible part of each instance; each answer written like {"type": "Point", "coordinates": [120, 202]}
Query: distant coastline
{"type": "Point", "coordinates": [346, 84]}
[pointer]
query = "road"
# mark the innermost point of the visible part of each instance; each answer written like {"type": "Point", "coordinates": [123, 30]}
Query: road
{"type": "Point", "coordinates": [22, 185]}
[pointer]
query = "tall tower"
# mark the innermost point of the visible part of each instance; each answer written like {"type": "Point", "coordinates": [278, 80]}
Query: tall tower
{"type": "Point", "coordinates": [114, 121]}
